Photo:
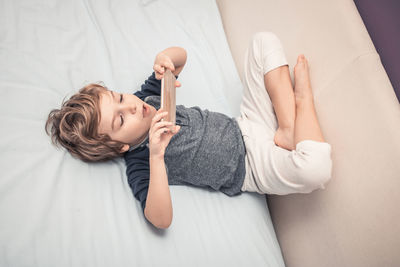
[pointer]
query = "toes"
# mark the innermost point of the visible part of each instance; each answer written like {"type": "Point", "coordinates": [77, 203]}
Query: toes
{"type": "Point", "coordinates": [300, 59]}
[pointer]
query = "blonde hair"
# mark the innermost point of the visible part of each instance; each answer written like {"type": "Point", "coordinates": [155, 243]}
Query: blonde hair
{"type": "Point", "coordinates": [75, 127]}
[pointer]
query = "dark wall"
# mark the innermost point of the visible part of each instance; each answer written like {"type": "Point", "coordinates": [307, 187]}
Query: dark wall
{"type": "Point", "coordinates": [382, 20]}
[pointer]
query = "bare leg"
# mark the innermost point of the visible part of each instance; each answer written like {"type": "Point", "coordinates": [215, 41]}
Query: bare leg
{"type": "Point", "coordinates": [280, 90]}
{"type": "Point", "coordinates": [306, 124]}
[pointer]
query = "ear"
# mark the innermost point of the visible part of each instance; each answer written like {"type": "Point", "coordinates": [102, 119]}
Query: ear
{"type": "Point", "coordinates": [125, 148]}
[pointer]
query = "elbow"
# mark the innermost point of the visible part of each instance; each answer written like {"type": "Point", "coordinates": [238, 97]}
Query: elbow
{"type": "Point", "coordinates": [163, 225]}
{"type": "Point", "coordinates": [160, 223]}
{"type": "Point", "coordinates": [184, 52]}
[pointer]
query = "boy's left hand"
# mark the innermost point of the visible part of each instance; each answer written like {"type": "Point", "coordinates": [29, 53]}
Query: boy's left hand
{"type": "Point", "coordinates": [161, 63]}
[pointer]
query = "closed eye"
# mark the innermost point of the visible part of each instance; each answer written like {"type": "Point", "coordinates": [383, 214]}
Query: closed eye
{"type": "Point", "coordinates": [120, 101]}
{"type": "Point", "coordinates": [122, 120]}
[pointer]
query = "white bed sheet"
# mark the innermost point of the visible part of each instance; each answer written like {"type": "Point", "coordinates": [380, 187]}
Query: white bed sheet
{"type": "Point", "coordinates": [58, 211]}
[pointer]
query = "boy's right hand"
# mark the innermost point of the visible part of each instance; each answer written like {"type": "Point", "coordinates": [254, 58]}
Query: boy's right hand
{"type": "Point", "coordinates": [160, 134]}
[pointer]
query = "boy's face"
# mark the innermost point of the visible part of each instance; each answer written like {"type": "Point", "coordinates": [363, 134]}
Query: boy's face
{"type": "Point", "coordinates": [124, 117]}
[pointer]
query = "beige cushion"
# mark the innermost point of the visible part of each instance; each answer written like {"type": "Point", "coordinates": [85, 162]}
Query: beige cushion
{"type": "Point", "coordinates": [355, 221]}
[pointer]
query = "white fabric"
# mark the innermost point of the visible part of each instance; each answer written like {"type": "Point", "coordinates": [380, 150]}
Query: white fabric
{"type": "Point", "coordinates": [58, 211]}
{"type": "Point", "coordinates": [271, 169]}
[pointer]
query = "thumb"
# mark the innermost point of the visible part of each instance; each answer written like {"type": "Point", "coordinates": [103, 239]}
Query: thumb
{"type": "Point", "coordinates": [171, 66]}
{"type": "Point", "coordinates": [177, 128]}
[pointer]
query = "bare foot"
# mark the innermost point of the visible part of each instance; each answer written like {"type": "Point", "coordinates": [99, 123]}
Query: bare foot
{"type": "Point", "coordinates": [302, 87]}
{"type": "Point", "coordinates": [284, 137]}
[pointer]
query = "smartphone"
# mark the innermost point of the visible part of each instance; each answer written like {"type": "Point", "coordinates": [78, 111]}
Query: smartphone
{"type": "Point", "coordinates": [168, 96]}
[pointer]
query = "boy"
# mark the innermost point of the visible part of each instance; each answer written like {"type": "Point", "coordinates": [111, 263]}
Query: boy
{"type": "Point", "coordinates": [275, 146]}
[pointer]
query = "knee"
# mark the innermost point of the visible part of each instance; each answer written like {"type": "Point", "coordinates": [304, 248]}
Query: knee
{"type": "Point", "coordinates": [314, 169]}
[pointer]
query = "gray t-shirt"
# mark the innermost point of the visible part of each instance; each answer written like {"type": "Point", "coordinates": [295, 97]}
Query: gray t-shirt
{"type": "Point", "coordinates": [208, 150]}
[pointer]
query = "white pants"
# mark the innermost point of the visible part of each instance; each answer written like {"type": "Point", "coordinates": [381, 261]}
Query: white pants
{"type": "Point", "coordinates": [271, 169]}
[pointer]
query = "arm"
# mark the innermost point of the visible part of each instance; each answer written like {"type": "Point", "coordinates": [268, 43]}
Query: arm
{"type": "Point", "coordinates": [158, 208]}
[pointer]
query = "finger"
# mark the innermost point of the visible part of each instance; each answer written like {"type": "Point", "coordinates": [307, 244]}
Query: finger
{"type": "Point", "coordinates": [159, 115]}
{"type": "Point", "coordinates": [177, 84]}
{"type": "Point", "coordinates": [172, 131]}
{"type": "Point", "coordinates": [167, 64]}
{"type": "Point", "coordinates": [157, 68]}
{"type": "Point", "coordinates": [157, 134]}
{"type": "Point", "coordinates": [170, 65]}
{"type": "Point", "coordinates": [161, 124]}
{"type": "Point", "coordinates": [159, 76]}
{"type": "Point", "coordinates": [175, 129]}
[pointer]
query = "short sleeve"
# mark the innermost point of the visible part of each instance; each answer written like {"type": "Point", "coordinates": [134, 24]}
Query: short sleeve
{"type": "Point", "coordinates": [151, 86]}
{"type": "Point", "coordinates": [138, 173]}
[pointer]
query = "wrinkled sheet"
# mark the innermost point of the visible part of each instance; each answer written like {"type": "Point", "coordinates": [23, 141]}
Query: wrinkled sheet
{"type": "Point", "coordinates": [58, 211]}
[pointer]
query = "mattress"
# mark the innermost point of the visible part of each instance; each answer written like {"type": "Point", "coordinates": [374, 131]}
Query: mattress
{"type": "Point", "coordinates": [58, 211]}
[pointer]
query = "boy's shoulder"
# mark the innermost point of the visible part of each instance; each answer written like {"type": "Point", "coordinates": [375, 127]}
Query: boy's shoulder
{"type": "Point", "coordinates": [138, 154]}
